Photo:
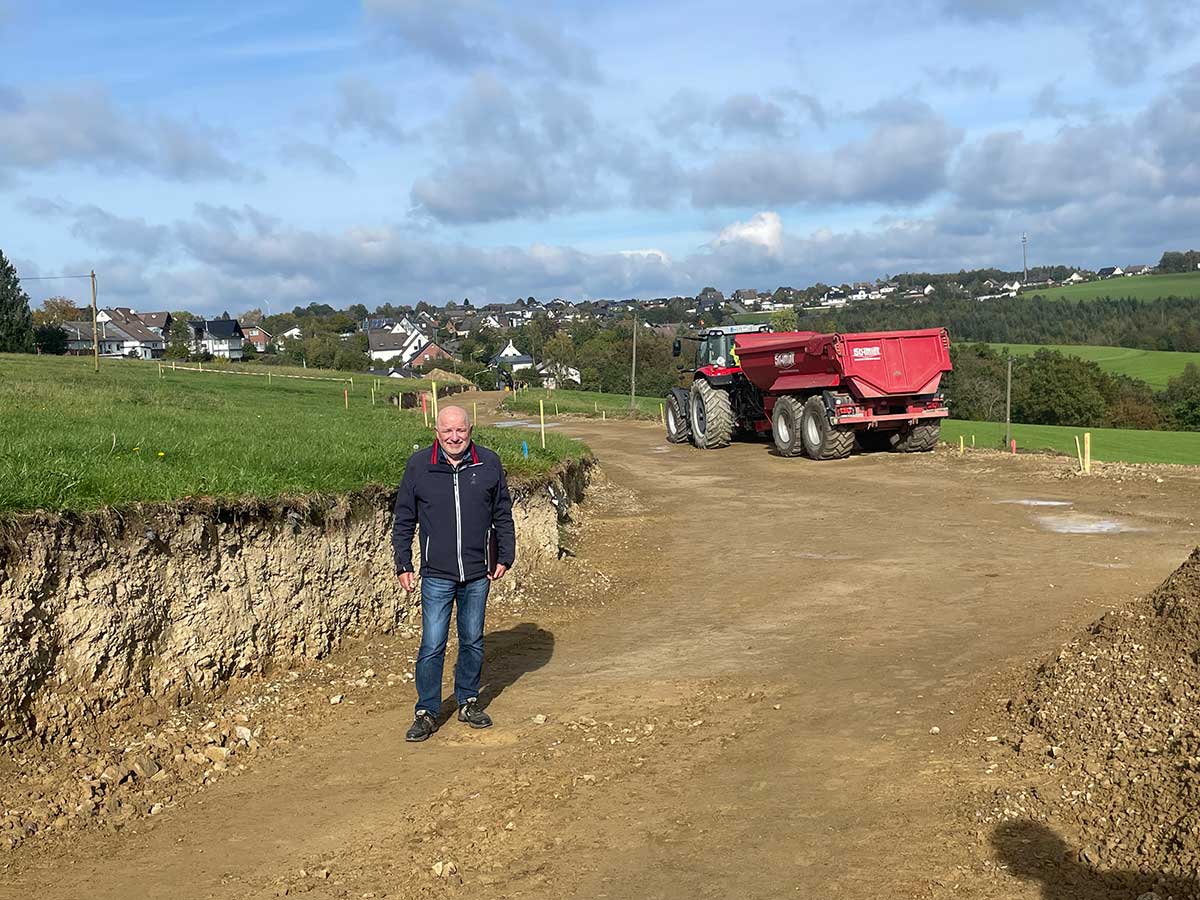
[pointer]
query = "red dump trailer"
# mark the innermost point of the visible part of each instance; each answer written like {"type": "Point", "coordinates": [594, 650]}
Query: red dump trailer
{"type": "Point", "coordinates": [818, 394]}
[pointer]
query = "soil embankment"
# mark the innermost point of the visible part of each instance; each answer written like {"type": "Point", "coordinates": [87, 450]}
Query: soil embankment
{"type": "Point", "coordinates": [115, 613]}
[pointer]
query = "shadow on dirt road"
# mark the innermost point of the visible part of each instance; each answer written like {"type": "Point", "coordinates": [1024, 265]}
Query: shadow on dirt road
{"type": "Point", "coordinates": [511, 653]}
{"type": "Point", "coordinates": [1034, 853]}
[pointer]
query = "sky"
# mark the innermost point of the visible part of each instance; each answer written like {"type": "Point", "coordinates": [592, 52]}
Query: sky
{"type": "Point", "coordinates": [228, 155]}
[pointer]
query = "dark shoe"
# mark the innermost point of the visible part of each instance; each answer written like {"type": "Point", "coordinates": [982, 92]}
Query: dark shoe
{"type": "Point", "coordinates": [470, 713]}
{"type": "Point", "coordinates": [422, 727]}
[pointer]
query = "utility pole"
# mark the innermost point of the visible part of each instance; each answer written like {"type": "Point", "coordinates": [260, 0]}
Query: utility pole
{"type": "Point", "coordinates": [95, 333]}
{"type": "Point", "coordinates": [633, 368]}
{"type": "Point", "coordinates": [1024, 257]}
{"type": "Point", "coordinates": [1008, 408]}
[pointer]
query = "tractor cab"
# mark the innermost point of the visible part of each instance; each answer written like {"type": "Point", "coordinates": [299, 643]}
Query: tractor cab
{"type": "Point", "coordinates": [714, 346]}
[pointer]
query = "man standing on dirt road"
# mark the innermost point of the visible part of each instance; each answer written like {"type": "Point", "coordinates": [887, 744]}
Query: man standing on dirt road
{"type": "Point", "coordinates": [456, 492]}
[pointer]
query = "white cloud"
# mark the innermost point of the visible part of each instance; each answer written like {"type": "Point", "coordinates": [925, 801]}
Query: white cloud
{"type": "Point", "coordinates": [765, 230]}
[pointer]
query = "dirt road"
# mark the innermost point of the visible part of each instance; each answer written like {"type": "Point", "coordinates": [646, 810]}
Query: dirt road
{"type": "Point", "coordinates": [745, 711]}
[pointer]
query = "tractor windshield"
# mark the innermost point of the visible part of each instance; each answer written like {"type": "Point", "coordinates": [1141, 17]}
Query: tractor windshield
{"type": "Point", "coordinates": [714, 351]}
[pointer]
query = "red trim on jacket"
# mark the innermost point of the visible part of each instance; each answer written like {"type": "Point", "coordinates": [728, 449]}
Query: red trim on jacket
{"type": "Point", "coordinates": [433, 458]}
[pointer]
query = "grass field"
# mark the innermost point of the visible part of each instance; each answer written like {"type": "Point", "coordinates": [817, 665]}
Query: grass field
{"type": "Point", "coordinates": [1108, 444]}
{"type": "Point", "coordinates": [75, 439]}
{"type": "Point", "coordinates": [1140, 287]}
{"type": "Point", "coordinates": [1154, 367]}
{"type": "Point", "coordinates": [587, 403]}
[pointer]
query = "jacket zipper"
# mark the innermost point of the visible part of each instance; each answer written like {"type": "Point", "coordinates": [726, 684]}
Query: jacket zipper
{"type": "Point", "coordinates": [462, 575]}
{"type": "Point", "coordinates": [426, 548]}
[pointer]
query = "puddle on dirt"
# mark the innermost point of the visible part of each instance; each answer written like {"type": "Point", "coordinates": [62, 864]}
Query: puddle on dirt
{"type": "Point", "coordinates": [1026, 502]}
{"type": "Point", "coordinates": [522, 423]}
{"type": "Point", "coordinates": [1096, 565]}
{"type": "Point", "coordinates": [1078, 523]}
{"type": "Point", "coordinates": [660, 449]}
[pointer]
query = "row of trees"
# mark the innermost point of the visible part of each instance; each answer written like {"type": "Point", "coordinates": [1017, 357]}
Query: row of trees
{"type": "Point", "coordinates": [1171, 323]}
{"type": "Point", "coordinates": [1052, 388]}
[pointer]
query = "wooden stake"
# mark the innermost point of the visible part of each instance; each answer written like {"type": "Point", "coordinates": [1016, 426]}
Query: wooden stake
{"type": "Point", "coordinates": [556, 407]}
{"type": "Point", "coordinates": [972, 442]}
{"type": "Point", "coordinates": [434, 401]}
{"type": "Point", "coordinates": [425, 407]}
{"type": "Point", "coordinates": [542, 416]}
{"type": "Point", "coordinates": [474, 412]}
{"type": "Point", "coordinates": [268, 379]}
{"type": "Point", "coordinates": [1079, 453]}
{"type": "Point", "coordinates": [1087, 453]}
{"type": "Point", "coordinates": [346, 396]}
{"type": "Point", "coordinates": [962, 445]}
{"type": "Point", "coordinates": [604, 415]}
{"type": "Point", "coordinates": [662, 414]}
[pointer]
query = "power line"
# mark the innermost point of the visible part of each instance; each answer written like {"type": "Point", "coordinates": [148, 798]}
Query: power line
{"type": "Point", "coordinates": [48, 277]}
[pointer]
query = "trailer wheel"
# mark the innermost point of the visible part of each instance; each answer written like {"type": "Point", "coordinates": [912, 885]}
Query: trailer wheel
{"type": "Point", "coordinates": [920, 438]}
{"type": "Point", "coordinates": [785, 426]}
{"type": "Point", "coordinates": [712, 416]}
{"type": "Point", "coordinates": [872, 440]}
{"type": "Point", "coordinates": [822, 440]}
{"type": "Point", "coordinates": [677, 421]}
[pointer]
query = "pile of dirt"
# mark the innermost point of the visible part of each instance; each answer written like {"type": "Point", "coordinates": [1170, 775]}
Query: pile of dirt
{"type": "Point", "coordinates": [442, 377]}
{"type": "Point", "coordinates": [1105, 738]}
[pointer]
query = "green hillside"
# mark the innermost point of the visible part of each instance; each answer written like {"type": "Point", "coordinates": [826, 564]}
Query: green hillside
{"type": "Point", "coordinates": [1140, 287]}
{"type": "Point", "coordinates": [77, 439]}
{"type": "Point", "coordinates": [1154, 367]}
{"type": "Point", "coordinates": [1108, 444]}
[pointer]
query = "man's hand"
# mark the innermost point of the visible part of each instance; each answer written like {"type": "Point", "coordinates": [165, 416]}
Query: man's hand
{"type": "Point", "coordinates": [499, 573]}
{"type": "Point", "coordinates": [408, 580]}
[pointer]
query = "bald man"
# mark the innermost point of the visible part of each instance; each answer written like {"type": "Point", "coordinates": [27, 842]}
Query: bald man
{"type": "Point", "coordinates": [455, 492]}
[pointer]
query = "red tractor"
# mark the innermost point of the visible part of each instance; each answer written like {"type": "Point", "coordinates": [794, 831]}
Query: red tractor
{"type": "Point", "coordinates": [816, 393]}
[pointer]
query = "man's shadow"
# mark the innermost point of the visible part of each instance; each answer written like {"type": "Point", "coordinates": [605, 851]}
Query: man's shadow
{"type": "Point", "coordinates": [511, 653]}
{"type": "Point", "coordinates": [1033, 852]}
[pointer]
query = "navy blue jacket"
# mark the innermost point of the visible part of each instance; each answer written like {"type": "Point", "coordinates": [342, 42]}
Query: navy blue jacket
{"type": "Point", "coordinates": [465, 515]}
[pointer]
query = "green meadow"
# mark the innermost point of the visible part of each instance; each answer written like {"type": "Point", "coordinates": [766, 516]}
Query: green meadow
{"type": "Point", "coordinates": [1140, 287]}
{"type": "Point", "coordinates": [584, 403]}
{"type": "Point", "coordinates": [76, 439]}
{"type": "Point", "coordinates": [1155, 367]}
{"type": "Point", "coordinates": [1108, 444]}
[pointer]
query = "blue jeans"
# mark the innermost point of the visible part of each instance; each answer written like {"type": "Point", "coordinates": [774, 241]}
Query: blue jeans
{"type": "Point", "coordinates": [437, 596]}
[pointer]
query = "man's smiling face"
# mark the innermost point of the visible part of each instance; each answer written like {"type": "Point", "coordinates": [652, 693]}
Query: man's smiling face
{"type": "Point", "coordinates": [453, 431]}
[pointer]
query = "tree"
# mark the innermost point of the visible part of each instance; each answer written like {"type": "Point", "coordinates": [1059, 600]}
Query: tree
{"type": "Point", "coordinates": [16, 320]}
{"type": "Point", "coordinates": [56, 310]}
{"type": "Point", "coordinates": [51, 339]}
{"type": "Point", "coordinates": [1181, 399]}
{"type": "Point", "coordinates": [251, 316]}
{"type": "Point", "coordinates": [179, 340]}
{"type": "Point", "coordinates": [785, 320]}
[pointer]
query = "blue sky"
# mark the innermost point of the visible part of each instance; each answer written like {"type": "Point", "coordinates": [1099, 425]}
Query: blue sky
{"type": "Point", "coordinates": [228, 155]}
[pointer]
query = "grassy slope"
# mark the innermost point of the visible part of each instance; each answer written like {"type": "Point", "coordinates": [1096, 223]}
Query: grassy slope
{"type": "Point", "coordinates": [589, 403]}
{"type": "Point", "coordinates": [1109, 444]}
{"type": "Point", "coordinates": [1141, 287]}
{"type": "Point", "coordinates": [74, 439]}
{"type": "Point", "coordinates": [1154, 367]}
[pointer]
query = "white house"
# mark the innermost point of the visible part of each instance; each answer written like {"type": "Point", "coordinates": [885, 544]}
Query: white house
{"type": "Point", "coordinates": [513, 358]}
{"type": "Point", "coordinates": [292, 334]}
{"type": "Point", "coordinates": [220, 337]}
{"type": "Point", "coordinates": [558, 375]}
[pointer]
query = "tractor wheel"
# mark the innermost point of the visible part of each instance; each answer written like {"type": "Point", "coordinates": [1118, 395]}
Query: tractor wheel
{"type": "Point", "coordinates": [822, 440]}
{"type": "Point", "coordinates": [875, 441]}
{"type": "Point", "coordinates": [677, 421]}
{"type": "Point", "coordinates": [712, 416]}
{"type": "Point", "coordinates": [919, 438]}
{"type": "Point", "coordinates": [785, 426]}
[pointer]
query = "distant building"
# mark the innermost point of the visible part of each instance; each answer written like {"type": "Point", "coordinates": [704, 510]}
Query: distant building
{"type": "Point", "coordinates": [257, 336]}
{"type": "Point", "coordinates": [512, 358]}
{"type": "Point", "coordinates": [220, 337]}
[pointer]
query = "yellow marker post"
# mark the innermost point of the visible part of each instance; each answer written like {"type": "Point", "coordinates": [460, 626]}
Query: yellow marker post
{"type": "Point", "coordinates": [435, 401]}
{"type": "Point", "coordinates": [556, 407]}
{"type": "Point", "coordinates": [1079, 453]}
{"type": "Point", "coordinates": [662, 414]}
{"type": "Point", "coordinates": [172, 365]}
{"type": "Point", "coordinates": [1087, 453]}
{"type": "Point", "coordinates": [604, 415]}
{"type": "Point", "coordinates": [972, 442]}
{"type": "Point", "coordinates": [474, 412]}
{"type": "Point", "coordinates": [542, 416]}
{"type": "Point", "coordinates": [962, 445]}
